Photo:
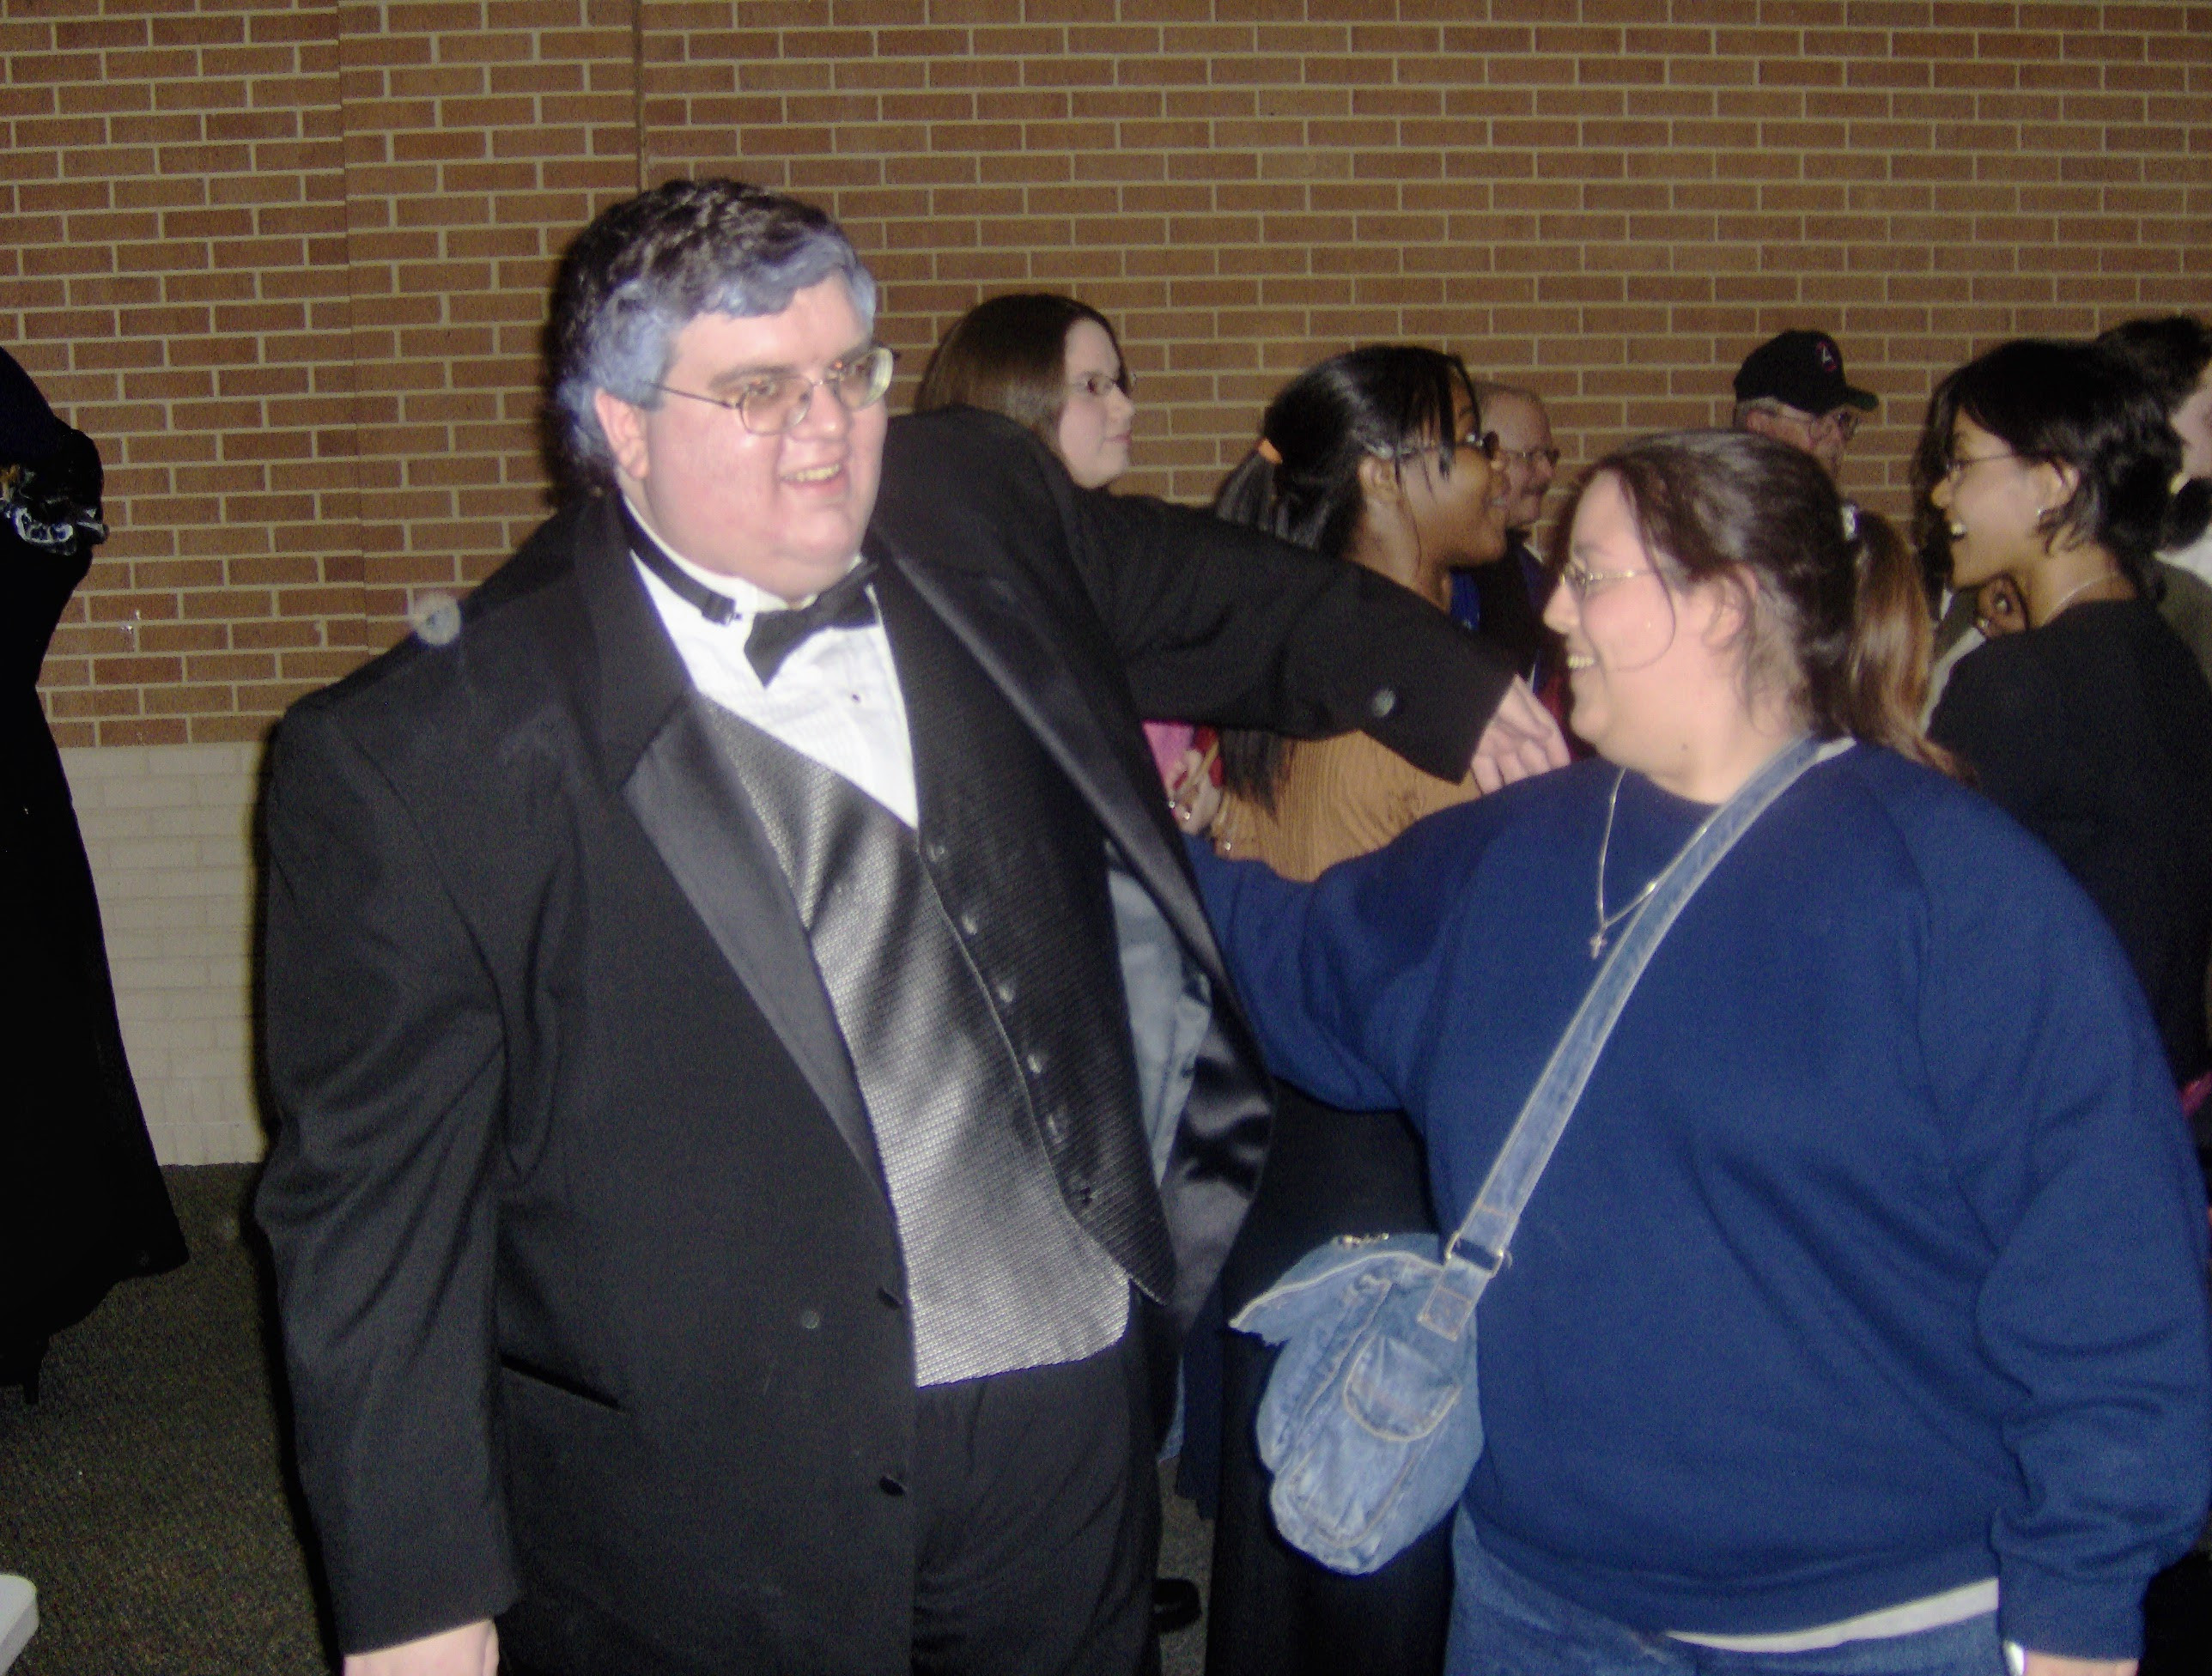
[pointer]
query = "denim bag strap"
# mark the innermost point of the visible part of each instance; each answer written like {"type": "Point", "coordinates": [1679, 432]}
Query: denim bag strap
{"type": "Point", "coordinates": [1488, 1228]}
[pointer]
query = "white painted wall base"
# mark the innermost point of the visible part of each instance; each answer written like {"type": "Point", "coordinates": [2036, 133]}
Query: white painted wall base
{"type": "Point", "coordinates": [168, 828]}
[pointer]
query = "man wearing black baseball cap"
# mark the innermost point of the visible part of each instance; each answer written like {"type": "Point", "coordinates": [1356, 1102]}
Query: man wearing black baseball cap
{"type": "Point", "coordinates": [1792, 388]}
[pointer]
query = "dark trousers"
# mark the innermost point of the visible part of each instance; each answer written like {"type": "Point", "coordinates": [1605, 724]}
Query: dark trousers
{"type": "Point", "coordinates": [1039, 1520]}
{"type": "Point", "coordinates": [1037, 1526]}
{"type": "Point", "coordinates": [1276, 1613]}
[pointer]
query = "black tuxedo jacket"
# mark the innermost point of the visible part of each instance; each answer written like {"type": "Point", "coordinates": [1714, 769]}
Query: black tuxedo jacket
{"type": "Point", "coordinates": [593, 1300]}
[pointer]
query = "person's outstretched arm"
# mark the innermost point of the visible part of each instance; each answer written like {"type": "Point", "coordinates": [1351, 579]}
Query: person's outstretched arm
{"type": "Point", "coordinates": [1344, 979]}
{"type": "Point", "coordinates": [1215, 622]}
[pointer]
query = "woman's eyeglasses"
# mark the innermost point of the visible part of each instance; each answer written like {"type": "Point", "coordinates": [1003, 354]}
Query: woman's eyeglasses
{"type": "Point", "coordinates": [1098, 385]}
{"type": "Point", "coordinates": [1956, 466]}
{"type": "Point", "coordinates": [1583, 583]}
{"type": "Point", "coordinates": [1550, 457]}
{"type": "Point", "coordinates": [1482, 443]}
{"type": "Point", "coordinates": [770, 404]}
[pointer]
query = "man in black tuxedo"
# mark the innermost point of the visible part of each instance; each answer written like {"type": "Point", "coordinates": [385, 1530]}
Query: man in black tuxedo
{"type": "Point", "coordinates": [711, 1204]}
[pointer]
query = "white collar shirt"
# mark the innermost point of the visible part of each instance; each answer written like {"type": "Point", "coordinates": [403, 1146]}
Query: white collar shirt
{"type": "Point", "coordinates": [836, 698]}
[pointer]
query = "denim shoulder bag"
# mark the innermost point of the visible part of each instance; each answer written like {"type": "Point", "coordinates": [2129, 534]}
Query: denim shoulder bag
{"type": "Point", "coordinates": [1370, 1423]}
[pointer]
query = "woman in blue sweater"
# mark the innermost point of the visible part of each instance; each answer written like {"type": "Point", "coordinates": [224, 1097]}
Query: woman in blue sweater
{"type": "Point", "coordinates": [1858, 1322]}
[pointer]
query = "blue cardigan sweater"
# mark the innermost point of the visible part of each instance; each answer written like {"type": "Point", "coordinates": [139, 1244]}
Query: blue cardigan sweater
{"type": "Point", "coordinates": [1873, 1261]}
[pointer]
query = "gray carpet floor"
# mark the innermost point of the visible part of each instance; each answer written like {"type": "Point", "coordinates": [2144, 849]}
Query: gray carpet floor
{"type": "Point", "coordinates": [145, 1493]}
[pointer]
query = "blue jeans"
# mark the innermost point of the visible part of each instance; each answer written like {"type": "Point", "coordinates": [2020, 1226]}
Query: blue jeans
{"type": "Point", "coordinates": [1503, 1624]}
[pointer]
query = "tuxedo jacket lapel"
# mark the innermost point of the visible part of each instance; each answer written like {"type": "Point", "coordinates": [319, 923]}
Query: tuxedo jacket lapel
{"type": "Point", "coordinates": [1214, 1163]}
{"type": "Point", "coordinates": [700, 821]}
{"type": "Point", "coordinates": [688, 801]}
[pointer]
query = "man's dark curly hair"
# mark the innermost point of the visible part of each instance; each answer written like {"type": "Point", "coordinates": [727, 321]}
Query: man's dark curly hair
{"type": "Point", "coordinates": [649, 266]}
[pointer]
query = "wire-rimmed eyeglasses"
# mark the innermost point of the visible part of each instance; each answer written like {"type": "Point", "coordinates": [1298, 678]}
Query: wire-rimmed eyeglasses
{"type": "Point", "coordinates": [1581, 583]}
{"type": "Point", "coordinates": [770, 404]}
{"type": "Point", "coordinates": [1956, 466]}
{"type": "Point", "coordinates": [1550, 457]}
{"type": "Point", "coordinates": [1841, 423]}
{"type": "Point", "coordinates": [1482, 443]}
{"type": "Point", "coordinates": [1099, 385]}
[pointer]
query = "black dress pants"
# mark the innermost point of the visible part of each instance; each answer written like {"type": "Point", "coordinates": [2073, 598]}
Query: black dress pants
{"type": "Point", "coordinates": [1039, 1520]}
{"type": "Point", "coordinates": [1274, 1612]}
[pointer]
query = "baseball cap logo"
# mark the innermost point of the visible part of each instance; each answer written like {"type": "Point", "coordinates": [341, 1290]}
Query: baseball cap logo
{"type": "Point", "coordinates": [1803, 369]}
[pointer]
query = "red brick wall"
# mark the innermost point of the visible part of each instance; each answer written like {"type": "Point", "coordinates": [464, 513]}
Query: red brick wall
{"type": "Point", "coordinates": [172, 272]}
{"type": "Point", "coordinates": [479, 136]}
{"type": "Point", "coordinates": [288, 263]}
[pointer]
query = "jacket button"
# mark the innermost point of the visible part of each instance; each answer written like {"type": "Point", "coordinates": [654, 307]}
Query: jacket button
{"type": "Point", "coordinates": [1383, 703]}
{"type": "Point", "coordinates": [934, 849]}
{"type": "Point", "coordinates": [969, 924]}
{"type": "Point", "coordinates": [809, 1319]}
{"type": "Point", "coordinates": [1055, 1126]}
{"type": "Point", "coordinates": [889, 1485]}
{"type": "Point", "coordinates": [1035, 1061]}
{"type": "Point", "coordinates": [1005, 990]}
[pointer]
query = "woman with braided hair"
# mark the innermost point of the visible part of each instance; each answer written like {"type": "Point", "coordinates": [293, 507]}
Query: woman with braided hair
{"type": "Point", "coordinates": [1377, 457]}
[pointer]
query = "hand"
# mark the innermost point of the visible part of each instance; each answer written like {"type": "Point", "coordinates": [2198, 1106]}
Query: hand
{"type": "Point", "coordinates": [2053, 1664]}
{"type": "Point", "coordinates": [470, 1650]}
{"type": "Point", "coordinates": [1521, 740]}
{"type": "Point", "coordinates": [1196, 799]}
{"type": "Point", "coordinates": [1998, 608]}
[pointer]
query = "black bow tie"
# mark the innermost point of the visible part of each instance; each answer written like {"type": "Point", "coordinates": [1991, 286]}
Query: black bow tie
{"type": "Point", "coordinates": [845, 604]}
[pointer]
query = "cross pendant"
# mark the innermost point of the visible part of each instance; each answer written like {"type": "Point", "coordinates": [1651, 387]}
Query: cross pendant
{"type": "Point", "coordinates": [1597, 945]}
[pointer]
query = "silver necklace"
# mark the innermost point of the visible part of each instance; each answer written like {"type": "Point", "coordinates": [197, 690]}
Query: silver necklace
{"type": "Point", "coordinates": [1606, 921]}
{"type": "Point", "coordinates": [2065, 598]}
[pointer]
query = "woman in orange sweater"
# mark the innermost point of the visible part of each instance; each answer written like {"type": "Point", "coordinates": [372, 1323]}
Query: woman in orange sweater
{"type": "Point", "coordinates": [1377, 457]}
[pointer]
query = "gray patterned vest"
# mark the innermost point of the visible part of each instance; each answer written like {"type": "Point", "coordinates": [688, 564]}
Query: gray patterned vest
{"type": "Point", "coordinates": [972, 969]}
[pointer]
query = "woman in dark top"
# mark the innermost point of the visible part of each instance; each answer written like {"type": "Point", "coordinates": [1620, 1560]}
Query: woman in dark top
{"type": "Point", "coordinates": [81, 1202]}
{"type": "Point", "coordinates": [2050, 465]}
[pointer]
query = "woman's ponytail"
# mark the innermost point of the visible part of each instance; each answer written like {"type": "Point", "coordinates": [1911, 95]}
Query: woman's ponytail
{"type": "Point", "coordinates": [1886, 667]}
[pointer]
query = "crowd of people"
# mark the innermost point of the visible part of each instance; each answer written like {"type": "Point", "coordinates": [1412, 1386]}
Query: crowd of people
{"type": "Point", "coordinates": [769, 1154]}
{"type": "Point", "coordinates": [2056, 486]}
